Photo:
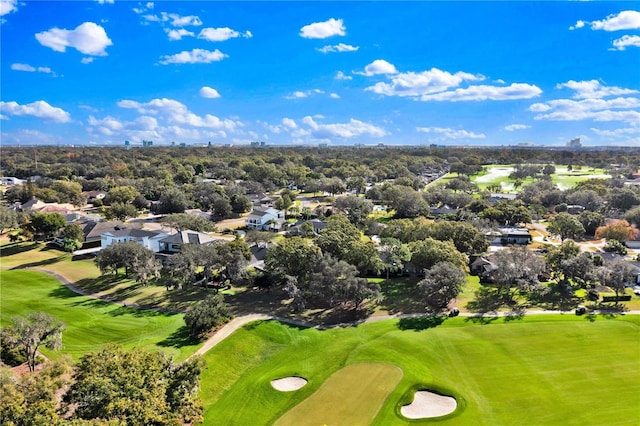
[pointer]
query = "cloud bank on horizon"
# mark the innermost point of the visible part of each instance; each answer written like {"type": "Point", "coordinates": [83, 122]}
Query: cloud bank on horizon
{"type": "Point", "coordinates": [481, 73]}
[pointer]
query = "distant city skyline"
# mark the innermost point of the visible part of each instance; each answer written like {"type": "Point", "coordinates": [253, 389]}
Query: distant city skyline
{"type": "Point", "coordinates": [310, 73]}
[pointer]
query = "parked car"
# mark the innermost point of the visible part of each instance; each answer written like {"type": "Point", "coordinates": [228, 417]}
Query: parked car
{"type": "Point", "coordinates": [636, 290]}
{"type": "Point", "coordinates": [454, 312]}
{"type": "Point", "coordinates": [581, 310]}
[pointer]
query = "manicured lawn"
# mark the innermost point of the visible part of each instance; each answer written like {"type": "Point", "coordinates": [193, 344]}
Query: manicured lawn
{"type": "Point", "coordinates": [538, 370]}
{"type": "Point", "coordinates": [365, 386]}
{"type": "Point", "coordinates": [91, 323]}
{"type": "Point", "coordinates": [85, 275]}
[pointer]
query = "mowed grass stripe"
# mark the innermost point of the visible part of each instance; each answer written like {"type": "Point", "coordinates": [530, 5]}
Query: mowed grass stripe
{"type": "Point", "coordinates": [351, 396]}
{"type": "Point", "coordinates": [91, 323]}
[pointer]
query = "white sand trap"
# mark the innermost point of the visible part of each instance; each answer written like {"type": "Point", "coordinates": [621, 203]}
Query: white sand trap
{"type": "Point", "coordinates": [288, 384]}
{"type": "Point", "coordinates": [428, 404]}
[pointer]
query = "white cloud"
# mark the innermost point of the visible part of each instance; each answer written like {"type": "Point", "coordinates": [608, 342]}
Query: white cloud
{"type": "Point", "coordinates": [29, 68]}
{"type": "Point", "coordinates": [486, 93]}
{"type": "Point", "coordinates": [289, 123]}
{"type": "Point", "coordinates": [423, 83]}
{"type": "Point", "coordinates": [353, 128]}
{"type": "Point", "coordinates": [208, 92]}
{"type": "Point", "coordinates": [341, 47]}
{"type": "Point", "coordinates": [178, 34]}
{"type": "Point", "coordinates": [172, 18]}
{"type": "Point", "coordinates": [88, 38]}
{"type": "Point", "coordinates": [513, 127]}
{"type": "Point", "coordinates": [341, 76]}
{"type": "Point", "coordinates": [178, 113]}
{"type": "Point", "coordinates": [140, 10]}
{"type": "Point", "coordinates": [22, 67]}
{"type": "Point", "coordinates": [40, 109]}
{"type": "Point", "coordinates": [626, 41]}
{"type": "Point", "coordinates": [588, 89]}
{"type": "Point", "coordinates": [446, 133]}
{"type": "Point", "coordinates": [334, 96]}
{"type": "Point", "coordinates": [621, 132]}
{"type": "Point", "coordinates": [625, 20]}
{"type": "Point", "coordinates": [578, 24]}
{"type": "Point", "coordinates": [195, 56]}
{"type": "Point", "coordinates": [86, 60]}
{"type": "Point", "coordinates": [299, 94]}
{"type": "Point", "coordinates": [617, 109]}
{"type": "Point", "coordinates": [379, 66]}
{"type": "Point", "coordinates": [105, 1]}
{"type": "Point", "coordinates": [325, 29]}
{"type": "Point", "coordinates": [589, 103]}
{"type": "Point", "coordinates": [8, 6]}
{"type": "Point", "coordinates": [222, 34]}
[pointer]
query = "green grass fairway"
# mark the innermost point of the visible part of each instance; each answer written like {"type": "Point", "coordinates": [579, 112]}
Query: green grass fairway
{"type": "Point", "coordinates": [499, 174]}
{"type": "Point", "coordinates": [540, 370]}
{"type": "Point", "coordinates": [351, 396]}
{"type": "Point", "coordinates": [91, 323]}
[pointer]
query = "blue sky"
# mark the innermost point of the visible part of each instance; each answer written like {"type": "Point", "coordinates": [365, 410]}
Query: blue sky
{"type": "Point", "coordinates": [464, 73]}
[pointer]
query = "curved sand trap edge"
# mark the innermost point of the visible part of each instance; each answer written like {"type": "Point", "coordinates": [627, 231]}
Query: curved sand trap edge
{"type": "Point", "coordinates": [288, 384]}
{"type": "Point", "coordinates": [428, 404]}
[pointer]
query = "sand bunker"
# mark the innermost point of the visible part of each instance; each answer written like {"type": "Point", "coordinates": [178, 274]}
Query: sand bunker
{"type": "Point", "coordinates": [288, 384]}
{"type": "Point", "coordinates": [428, 404]}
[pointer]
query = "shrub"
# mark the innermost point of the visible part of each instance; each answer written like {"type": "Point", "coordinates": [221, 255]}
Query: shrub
{"type": "Point", "coordinates": [615, 246]}
{"type": "Point", "coordinates": [593, 295]}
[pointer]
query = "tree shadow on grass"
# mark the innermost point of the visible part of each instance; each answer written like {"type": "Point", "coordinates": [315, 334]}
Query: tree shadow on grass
{"type": "Point", "coordinates": [141, 312]}
{"type": "Point", "coordinates": [557, 298]}
{"type": "Point", "coordinates": [63, 292]}
{"type": "Point", "coordinates": [486, 300]}
{"type": "Point", "coordinates": [399, 296]}
{"type": "Point", "coordinates": [16, 248]}
{"type": "Point", "coordinates": [41, 262]}
{"type": "Point", "coordinates": [420, 323]}
{"type": "Point", "coordinates": [178, 339]}
{"type": "Point", "coordinates": [481, 319]}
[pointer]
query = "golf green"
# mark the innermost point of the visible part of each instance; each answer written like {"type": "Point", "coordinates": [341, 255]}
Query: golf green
{"type": "Point", "coordinates": [351, 396]}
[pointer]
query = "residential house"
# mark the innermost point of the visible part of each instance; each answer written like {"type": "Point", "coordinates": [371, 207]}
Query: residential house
{"type": "Point", "coordinates": [10, 181]}
{"type": "Point", "coordinates": [94, 195]}
{"type": "Point", "coordinates": [148, 239]}
{"type": "Point", "coordinates": [198, 212]}
{"type": "Point", "coordinates": [269, 219]}
{"type": "Point", "coordinates": [93, 230]}
{"type": "Point", "coordinates": [513, 235]}
{"type": "Point", "coordinates": [442, 210]}
{"type": "Point", "coordinates": [32, 205]}
{"type": "Point", "coordinates": [495, 197]}
{"type": "Point", "coordinates": [575, 209]}
{"type": "Point", "coordinates": [318, 225]}
{"type": "Point", "coordinates": [173, 243]}
{"type": "Point", "coordinates": [260, 199]}
{"type": "Point", "coordinates": [612, 257]}
{"type": "Point", "coordinates": [482, 266]}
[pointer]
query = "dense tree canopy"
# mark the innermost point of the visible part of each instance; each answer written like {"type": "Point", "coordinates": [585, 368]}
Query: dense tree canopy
{"type": "Point", "coordinates": [566, 226]}
{"type": "Point", "coordinates": [135, 387]}
{"type": "Point", "coordinates": [442, 283]}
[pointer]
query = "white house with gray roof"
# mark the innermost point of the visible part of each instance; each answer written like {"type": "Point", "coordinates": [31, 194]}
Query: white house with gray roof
{"type": "Point", "coordinates": [147, 239]}
{"type": "Point", "coordinates": [269, 219]}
